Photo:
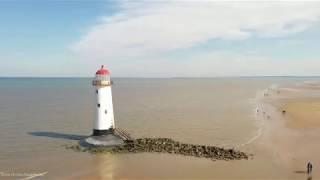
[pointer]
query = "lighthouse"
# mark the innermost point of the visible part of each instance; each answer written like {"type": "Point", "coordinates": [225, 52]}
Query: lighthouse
{"type": "Point", "coordinates": [104, 118]}
{"type": "Point", "coordinates": [104, 133]}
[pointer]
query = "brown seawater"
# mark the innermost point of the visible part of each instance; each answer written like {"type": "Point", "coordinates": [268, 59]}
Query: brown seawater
{"type": "Point", "coordinates": [41, 115]}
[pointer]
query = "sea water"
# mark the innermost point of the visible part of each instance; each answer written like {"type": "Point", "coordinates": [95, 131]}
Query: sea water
{"type": "Point", "coordinates": [38, 116]}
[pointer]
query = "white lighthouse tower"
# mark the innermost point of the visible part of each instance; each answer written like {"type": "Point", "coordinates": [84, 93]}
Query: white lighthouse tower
{"type": "Point", "coordinates": [104, 118]}
{"type": "Point", "coordinates": [103, 126]}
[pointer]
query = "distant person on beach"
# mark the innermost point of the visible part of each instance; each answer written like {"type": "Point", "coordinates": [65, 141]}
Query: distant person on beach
{"type": "Point", "coordinates": [309, 168]}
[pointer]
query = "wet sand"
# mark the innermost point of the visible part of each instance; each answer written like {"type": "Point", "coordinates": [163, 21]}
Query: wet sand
{"type": "Point", "coordinates": [303, 113]}
{"type": "Point", "coordinates": [291, 128]}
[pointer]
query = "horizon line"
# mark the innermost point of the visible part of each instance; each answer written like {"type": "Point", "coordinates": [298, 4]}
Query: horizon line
{"type": "Point", "coordinates": [173, 77]}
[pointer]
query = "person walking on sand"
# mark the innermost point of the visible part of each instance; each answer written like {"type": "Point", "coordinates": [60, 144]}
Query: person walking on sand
{"type": "Point", "coordinates": [309, 168]}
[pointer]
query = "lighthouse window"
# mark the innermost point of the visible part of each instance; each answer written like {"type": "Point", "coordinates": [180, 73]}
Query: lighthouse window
{"type": "Point", "coordinates": [105, 111]}
{"type": "Point", "coordinates": [98, 105]}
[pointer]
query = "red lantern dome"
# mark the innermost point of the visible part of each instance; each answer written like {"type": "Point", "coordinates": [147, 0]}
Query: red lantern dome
{"type": "Point", "coordinates": [102, 71]}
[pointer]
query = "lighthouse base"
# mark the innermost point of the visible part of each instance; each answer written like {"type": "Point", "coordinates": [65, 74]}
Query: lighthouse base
{"type": "Point", "coordinates": [97, 132]}
{"type": "Point", "coordinates": [105, 140]}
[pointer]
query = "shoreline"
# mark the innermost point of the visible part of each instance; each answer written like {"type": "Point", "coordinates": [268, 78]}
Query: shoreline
{"type": "Point", "coordinates": [291, 128]}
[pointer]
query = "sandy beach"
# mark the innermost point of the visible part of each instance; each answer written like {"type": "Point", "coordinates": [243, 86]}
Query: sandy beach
{"type": "Point", "coordinates": [291, 128]}
{"type": "Point", "coordinates": [303, 113]}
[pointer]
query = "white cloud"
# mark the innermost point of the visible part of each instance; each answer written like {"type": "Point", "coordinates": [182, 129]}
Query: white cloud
{"type": "Point", "coordinates": [218, 64]}
{"type": "Point", "coordinates": [149, 27]}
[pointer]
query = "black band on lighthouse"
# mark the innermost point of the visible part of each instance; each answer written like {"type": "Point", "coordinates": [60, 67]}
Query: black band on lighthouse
{"type": "Point", "coordinates": [97, 132]}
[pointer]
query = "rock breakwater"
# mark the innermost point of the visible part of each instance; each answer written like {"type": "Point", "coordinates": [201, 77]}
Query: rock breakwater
{"type": "Point", "coordinates": [166, 145]}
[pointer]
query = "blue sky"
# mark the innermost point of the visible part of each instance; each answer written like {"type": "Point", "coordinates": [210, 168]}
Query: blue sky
{"type": "Point", "coordinates": [36, 35]}
{"type": "Point", "coordinates": [159, 38]}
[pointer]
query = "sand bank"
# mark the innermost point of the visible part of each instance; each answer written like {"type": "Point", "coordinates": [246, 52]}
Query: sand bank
{"type": "Point", "coordinates": [303, 113]}
{"type": "Point", "coordinates": [291, 129]}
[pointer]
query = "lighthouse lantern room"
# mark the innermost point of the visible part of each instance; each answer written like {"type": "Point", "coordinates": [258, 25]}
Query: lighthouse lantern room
{"type": "Point", "coordinates": [104, 118]}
